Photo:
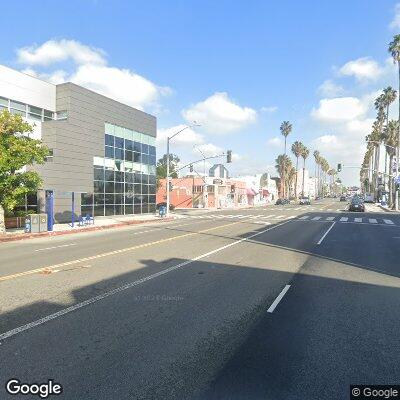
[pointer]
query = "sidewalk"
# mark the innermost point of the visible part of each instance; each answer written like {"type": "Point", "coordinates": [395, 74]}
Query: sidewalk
{"type": "Point", "coordinates": [100, 223]}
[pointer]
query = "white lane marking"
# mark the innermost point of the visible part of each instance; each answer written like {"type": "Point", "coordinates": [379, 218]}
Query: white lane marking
{"type": "Point", "coordinates": [388, 221]}
{"type": "Point", "coordinates": [373, 221]}
{"type": "Point", "coordinates": [56, 247]}
{"type": "Point", "coordinates": [279, 216]}
{"type": "Point", "coordinates": [305, 217]}
{"type": "Point", "coordinates": [357, 219]}
{"type": "Point", "coordinates": [291, 216]}
{"type": "Point", "coordinates": [315, 218]}
{"type": "Point", "coordinates": [278, 299]}
{"type": "Point", "coordinates": [343, 219]}
{"type": "Point", "coordinates": [324, 236]}
{"type": "Point", "coordinates": [267, 216]}
{"type": "Point", "coordinates": [330, 218]}
{"type": "Point", "coordinates": [329, 209]}
{"type": "Point", "coordinates": [122, 288]}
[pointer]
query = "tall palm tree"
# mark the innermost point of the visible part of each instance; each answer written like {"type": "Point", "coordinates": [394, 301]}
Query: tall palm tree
{"type": "Point", "coordinates": [391, 143]}
{"type": "Point", "coordinates": [285, 128]}
{"type": "Point", "coordinates": [297, 147]}
{"type": "Point", "coordinates": [304, 154]}
{"type": "Point", "coordinates": [292, 174]}
{"type": "Point", "coordinates": [389, 96]}
{"type": "Point", "coordinates": [394, 50]}
{"type": "Point", "coordinates": [283, 165]}
{"type": "Point", "coordinates": [316, 155]}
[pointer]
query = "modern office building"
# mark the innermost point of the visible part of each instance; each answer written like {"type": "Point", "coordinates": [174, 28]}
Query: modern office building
{"type": "Point", "coordinates": [103, 152]}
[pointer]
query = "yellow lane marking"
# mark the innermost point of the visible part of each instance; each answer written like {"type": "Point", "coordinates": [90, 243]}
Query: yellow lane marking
{"type": "Point", "coordinates": [109, 253]}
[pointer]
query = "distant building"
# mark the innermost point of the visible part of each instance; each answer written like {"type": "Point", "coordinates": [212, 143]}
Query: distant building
{"type": "Point", "coordinates": [219, 171]}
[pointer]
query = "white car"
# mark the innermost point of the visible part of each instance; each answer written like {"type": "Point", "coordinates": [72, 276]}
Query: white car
{"type": "Point", "coordinates": [368, 198]}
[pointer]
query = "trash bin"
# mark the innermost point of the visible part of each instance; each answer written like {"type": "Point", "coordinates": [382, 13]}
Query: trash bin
{"type": "Point", "coordinates": [42, 222]}
{"type": "Point", "coordinates": [32, 223]}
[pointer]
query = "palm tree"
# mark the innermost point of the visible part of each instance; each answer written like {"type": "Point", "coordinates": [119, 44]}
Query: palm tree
{"type": "Point", "coordinates": [394, 50]}
{"type": "Point", "coordinates": [304, 154]}
{"type": "Point", "coordinates": [389, 96]}
{"type": "Point", "coordinates": [391, 143]}
{"type": "Point", "coordinates": [285, 128]}
{"type": "Point", "coordinates": [292, 174]}
{"type": "Point", "coordinates": [316, 155]}
{"type": "Point", "coordinates": [283, 165]}
{"type": "Point", "coordinates": [297, 147]}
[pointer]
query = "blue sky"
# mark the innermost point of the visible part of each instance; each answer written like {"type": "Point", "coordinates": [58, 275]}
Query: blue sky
{"type": "Point", "coordinates": [241, 68]}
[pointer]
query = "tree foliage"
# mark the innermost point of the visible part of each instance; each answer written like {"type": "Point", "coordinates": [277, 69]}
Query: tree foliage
{"type": "Point", "coordinates": [18, 150]}
{"type": "Point", "coordinates": [161, 168]}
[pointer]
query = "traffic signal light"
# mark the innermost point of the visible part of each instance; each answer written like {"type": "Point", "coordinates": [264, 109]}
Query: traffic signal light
{"type": "Point", "coordinates": [170, 187]}
{"type": "Point", "coordinates": [229, 156]}
{"type": "Point", "coordinates": [339, 167]}
{"type": "Point", "coordinates": [191, 168]}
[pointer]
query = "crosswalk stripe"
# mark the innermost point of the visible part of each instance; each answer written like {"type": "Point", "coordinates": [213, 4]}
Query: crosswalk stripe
{"type": "Point", "coordinates": [304, 217]}
{"type": "Point", "coordinates": [267, 216]}
{"type": "Point", "coordinates": [343, 219]}
{"type": "Point", "coordinates": [279, 216]}
{"type": "Point", "coordinates": [357, 219]}
{"type": "Point", "coordinates": [315, 218]}
{"type": "Point", "coordinates": [330, 218]}
{"type": "Point", "coordinates": [372, 221]}
{"type": "Point", "coordinates": [388, 221]}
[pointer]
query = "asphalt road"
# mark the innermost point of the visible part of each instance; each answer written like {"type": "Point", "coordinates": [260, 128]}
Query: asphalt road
{"type": "Point", "coordinates": [280, 302]}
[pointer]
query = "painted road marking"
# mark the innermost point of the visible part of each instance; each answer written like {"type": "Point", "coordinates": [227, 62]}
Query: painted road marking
{"type": "Point", "coordinates": [279, 216]}
{"type": "Point", "coordinates": [373, 221]}
{"type": "Point", "coordinates": [305, 217]}
{"type": "Point", "coordinates": [388, 221]}
{"type": "Point", "coordinates": [111, 253]}
{"type": "Point", "coordinates": [278, 299]}
{"type": "Point", "coordinates": [357, 219]}
{"type": "Point", "coordinates": [343, 219]}
{"type": "Point", "coordinates": [330, 218]}
{"type": "Point", "coordinates": [324, 236]}
{"type": "Point", "coordinates": [56, 247]}
{"type": "Point", "coordinates": [315, 218]}
{"type": "Point", "coordinates": [127, 286]}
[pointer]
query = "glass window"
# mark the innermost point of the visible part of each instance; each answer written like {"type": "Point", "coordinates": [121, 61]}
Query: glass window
{"type": "Point", "coordinates": [118, 198]}
{"type": "Point", "coordinates": [109, 199]}
{"type": "Point", "coordinates": [136, 166]}
{"type": "Point", "coordinates": [119, 176]}
{"type": "Point", "coordinates": [16, 105]}
{"type": "Point", "coordinates": [152, 141]}
{"type": "Point", "coordinates": [98, 187]}
{"type": "Point", "coordinates": [119, 187]}
{"type": "Point", "coordinates": [128, 209]}
{"type": "Point", "coordinates": [128, 144]}
{"type": "Point", "coordinates": [18, 112]}
{"type": "Point", "coordinates": [128, 134]}
{"type": "Point", "coordinates": [138, 188]}
{"type": "Point", "coordinates": [119, 131]}
{"type": "Point", "coordinates": [98, 199]}
{"type": "Point", "coordinates": [145, 149]}
{"type": "Point", "coordinates": [152, 189]}
{"type": "Point", "coordinates": [138, 177]}
{"type": "Point", "coordinates": [3, 102]}
{"type": "Point", "coordinates": [145, 189]}
{"type": "Point", "coordinates": [62, 115]}
{"type": "Point", "coordinates": [128, 155]}
{"type": "Point", "coordinates": [137, 146]}
{"type": "Point", "coordinates": [119, 142]}
{"type": "Point", "coordinates": [145, 169]}
{"type": "Point", "coordinates": [119, 209]}
{"type": "Point", "coordinates": [129, 177]}
{"type": "Point", "coordinates": [119, 165]}
{"type": "Point", "coordinates": [137, 136]}
{"type": "Point", "coordinates": [48, 114]}
{"type": "Point", "coordinates": [98, 174]}
{"type": "Point", "coordinates": [145, 159]}
{"type": "Point", "coordinates": [109, 152]}
{"type": "Point", "coordinates": [86, 199]}
{"type": "Point", "coordinates": [109, 187]}
{"type": "Point", "coordinates": [99, 211]}
{"type": "Point", "coordinates": [109, 175]}
{"type": "Point", "coordinates": [109, 210]}
{"type": "Point", "coordinates": [152, 160]}
{"type": "Point", "coordinates": [137, 158]}
{"type": "Point", "coordinates": [119, 154]}
{"type": "Point", "coordinates": [109, 140]}
{"type": "Point", "coordinates": [35, 117]}
{"type": "Point", "coordinates": [152, 199]}
{"type": "Point", "coordinates": [152, 208]}
{"type": "Point", "coordinates": [152, 169]}
{"type": "Point", "coordinates": [109, 128]}
{"type": "Point", "coordinates": [152, 150]}
{"type": "Point", "coordinates": [35, 110]}
{"type": "Point", "coordinates": [128, 187]}
{"type": "Point", "coordinates": [137, 209]}
{"type": "Point", "coordinates": [145, 139]}
{"type": "Point", "coordinates": [152, 179]}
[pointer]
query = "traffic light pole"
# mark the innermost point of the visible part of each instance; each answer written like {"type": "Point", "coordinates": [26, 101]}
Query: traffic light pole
{"type": "Point", "coordinates": [167, 179]}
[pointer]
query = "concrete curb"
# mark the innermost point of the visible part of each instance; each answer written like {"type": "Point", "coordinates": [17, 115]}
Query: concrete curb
{"type": "Point", "coordinates": [24, 236]}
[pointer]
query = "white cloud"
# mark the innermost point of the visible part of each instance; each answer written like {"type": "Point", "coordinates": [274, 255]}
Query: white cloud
{"type": "Point", "coordinates": [395, 23]}
{"type": "Point", "coordinates": [55, 51]}
{"type": "Point", "coordinates": [218, 114]}
{"type": "Point", "coordinates": [363, 69]}
{"type": "Point", "coordinates": [186, 138]}
{"type": "Point", "coordinates": [91, 71]}
{"type": "Point", "coordinates": [270, 109]}
{"type": "Point", "coordinates": [208, 149]}
{"type": "Point", "coordinates": [275, 142]}
{"type": "Point", "coordinates": [330, 89]}
{"type": "Point", "coordinates": [339, 109]}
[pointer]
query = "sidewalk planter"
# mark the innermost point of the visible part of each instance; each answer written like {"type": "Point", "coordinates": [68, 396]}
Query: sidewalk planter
{"type": "Point", "coordinates": [14, 222]}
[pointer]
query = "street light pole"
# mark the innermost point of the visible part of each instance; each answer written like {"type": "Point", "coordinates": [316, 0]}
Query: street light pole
{"type": "Point", "coordinates": [168, 161]}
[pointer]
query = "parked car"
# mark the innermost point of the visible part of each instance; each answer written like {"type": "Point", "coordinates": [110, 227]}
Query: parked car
{"type": "Point", "coordinates": [356, 204]}
{"type": "Point", "coordinates": [305, 201]}
{"type": "Point", "coordinates": [369, 198]}
{"type": "Point", "coordinates": [343, 198]}
{"type": "Point", "coordinates": [318, 198]}
{"type": "Point", "coordinates": [282, 202]}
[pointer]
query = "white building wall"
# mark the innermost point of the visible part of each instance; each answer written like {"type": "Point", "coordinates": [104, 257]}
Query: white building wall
{"type": "Point", "coordinates": [21, 87]}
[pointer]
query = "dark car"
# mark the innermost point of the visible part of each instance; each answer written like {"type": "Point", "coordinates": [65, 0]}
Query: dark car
{"type": "Point", "coordinates": [342, 198]}
{"type": "Point", "coordinates": [164, 204]}
{"type": "Point", "coordinates": [282, 202]}
{"type": "Point", "coordinates": [305, 201]}
{"type": "Point", "coordinates": [356, 205]}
